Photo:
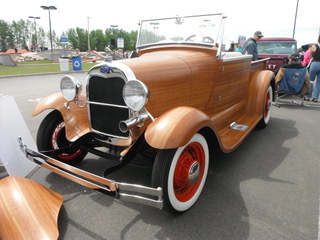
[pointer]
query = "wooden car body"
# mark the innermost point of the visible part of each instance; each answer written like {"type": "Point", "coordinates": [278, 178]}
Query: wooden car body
{"type": "Point", "coordinates": [186, 88]}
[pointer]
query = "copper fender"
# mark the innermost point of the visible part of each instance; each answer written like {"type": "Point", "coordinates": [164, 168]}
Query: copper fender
{"type": "Point", "coordinates": [260, 82]}
{"type": "Point", "coordinates": [175, 128]}
{"type": "Point", "coordinates": [28, 210]}
{"type": "Point", "coordinates": [75, 117]}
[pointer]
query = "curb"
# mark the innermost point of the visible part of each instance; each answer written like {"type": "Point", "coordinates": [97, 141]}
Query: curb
{"type": "Point", "coordinates": [40, 74]}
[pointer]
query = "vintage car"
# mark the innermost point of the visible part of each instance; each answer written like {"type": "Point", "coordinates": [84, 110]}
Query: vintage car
{"type": "Point", "coordinates": [176, 99]}
{"type": "Point", "coordinates": [277, 49]}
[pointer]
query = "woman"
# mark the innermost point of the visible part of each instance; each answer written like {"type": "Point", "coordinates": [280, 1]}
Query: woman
{"type": "Point", "coordinates": [315, 69]}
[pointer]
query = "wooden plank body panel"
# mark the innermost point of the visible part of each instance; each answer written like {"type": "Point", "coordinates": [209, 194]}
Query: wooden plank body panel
{"type": "Point", "coordinates": [176, 76]}
{"type": "Point", "coordinates": [186, 76]}
{"type": "Point", "coordinates": [28, 210]}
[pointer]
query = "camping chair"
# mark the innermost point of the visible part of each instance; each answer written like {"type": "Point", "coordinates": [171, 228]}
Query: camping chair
{"type": "Point", "coordinates": [291, 83]}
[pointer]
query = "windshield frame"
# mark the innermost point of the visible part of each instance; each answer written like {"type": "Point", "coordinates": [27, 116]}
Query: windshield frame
{"type": "Point", "coordinates": [210, 39]}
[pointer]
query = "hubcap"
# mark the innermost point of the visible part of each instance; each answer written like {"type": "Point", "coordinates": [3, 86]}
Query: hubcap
{"type": "Point", "coordinates": [194, 173]}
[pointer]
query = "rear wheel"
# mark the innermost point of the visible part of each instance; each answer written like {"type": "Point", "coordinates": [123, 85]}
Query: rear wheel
{"type": "Point", "coordinates": [52, 136]}
{"type": "Point", "coordinates": [266, 109]}
{"type": "Point", "coordinates": [181, 173]}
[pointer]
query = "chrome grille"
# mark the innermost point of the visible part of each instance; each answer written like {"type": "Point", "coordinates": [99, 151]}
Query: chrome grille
{"type": "Point", "coordinates": [110, 108]}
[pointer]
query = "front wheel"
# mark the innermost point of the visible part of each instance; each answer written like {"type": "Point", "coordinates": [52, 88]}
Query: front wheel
{"type": "Point", "coordinates": [266, 108]}
{"type": "Point", "coordinates": [181, 173]}
{"type": "Point", "coordinates": [52, 136]}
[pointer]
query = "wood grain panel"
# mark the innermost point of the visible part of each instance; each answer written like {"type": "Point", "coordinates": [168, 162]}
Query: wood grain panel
{"type": "Point", "coordinates": [28, 210]}
{"type": "Point", "coordinates": [175, 76]}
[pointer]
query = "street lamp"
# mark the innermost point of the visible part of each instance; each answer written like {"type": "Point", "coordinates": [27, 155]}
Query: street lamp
{"type": "Point", "coordinates": [49, 8]}
{"type": "Point", "coordinates": [35, 29]}
{"type": "Point", "coordinates": [295, 19]}
{"type": "Point", "coordinates": [88, 35]}
{"type": "Point", "coordinates": [155, 24]}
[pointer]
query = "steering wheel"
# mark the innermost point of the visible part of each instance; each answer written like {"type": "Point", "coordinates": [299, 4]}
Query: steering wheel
{"type": "Point", "coordinates": [203, 38]}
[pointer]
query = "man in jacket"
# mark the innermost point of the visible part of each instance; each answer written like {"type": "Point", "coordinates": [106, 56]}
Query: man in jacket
{"type": "Point", "coordinates": [251, 46]}
{"type": "Point", "coordinates": [294, 63]}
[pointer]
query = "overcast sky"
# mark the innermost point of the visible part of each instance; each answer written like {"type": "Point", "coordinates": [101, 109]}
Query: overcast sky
{"type": "Point", "coordinates": [275, 18]}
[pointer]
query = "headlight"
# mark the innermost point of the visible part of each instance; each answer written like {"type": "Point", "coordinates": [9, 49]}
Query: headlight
{"type": "Point", "coordinates": [135, 94]}
{"type": "Point", "coordinates": [70, 88]}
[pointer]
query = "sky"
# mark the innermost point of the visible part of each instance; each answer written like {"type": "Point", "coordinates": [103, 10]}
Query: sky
{"type": "Point", "coordinates": [275, 18]}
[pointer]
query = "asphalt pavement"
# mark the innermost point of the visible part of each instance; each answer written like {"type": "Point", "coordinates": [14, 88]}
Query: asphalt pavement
{"type": "Point", "coordinates": [267, 189]}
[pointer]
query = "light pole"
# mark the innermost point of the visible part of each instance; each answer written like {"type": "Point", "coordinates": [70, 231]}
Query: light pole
{"type": "Point", "coordinates": [154, 29]}
{"type": "Point", "coordinates": [35, 29]}
{"type": "Point", "coordinates": [88, 35]}
{"type": "Point", "coordinates": [295, 19]}
{"type": "Point", "coordinates": [49, 8]}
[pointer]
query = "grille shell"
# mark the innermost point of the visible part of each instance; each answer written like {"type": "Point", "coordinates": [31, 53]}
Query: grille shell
{"type": "Point", "coordinates": [106, 105]}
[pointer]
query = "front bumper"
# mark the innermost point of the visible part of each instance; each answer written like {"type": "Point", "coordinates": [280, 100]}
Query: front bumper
{"type": "Point", "coordinates": [123, 191]}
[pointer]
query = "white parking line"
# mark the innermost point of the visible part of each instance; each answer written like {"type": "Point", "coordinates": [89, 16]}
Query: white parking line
{"type": "Point", "coordinates": [35, 100]}
{"type": "Point", "coordinates": [319, 222]}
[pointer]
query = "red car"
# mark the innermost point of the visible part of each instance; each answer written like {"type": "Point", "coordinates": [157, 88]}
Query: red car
{"type": "Point", "coordinates": [278, 49]}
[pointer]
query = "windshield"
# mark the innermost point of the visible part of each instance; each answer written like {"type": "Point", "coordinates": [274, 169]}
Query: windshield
{"type": "Point", "coordinates": [201, 29]}
{"type": "Point", "coordinates": [277, 47]}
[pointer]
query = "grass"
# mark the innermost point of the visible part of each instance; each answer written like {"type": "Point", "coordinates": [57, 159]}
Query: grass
{"type": "Point", "coordinates": [32, 67]}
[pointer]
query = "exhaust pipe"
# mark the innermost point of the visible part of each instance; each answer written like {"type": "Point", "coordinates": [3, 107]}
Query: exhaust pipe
{"type": "Point", "coordinates": [125, 125]}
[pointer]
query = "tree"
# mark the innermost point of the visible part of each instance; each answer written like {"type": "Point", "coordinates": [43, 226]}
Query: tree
{"type": "Point", "coordinates": [22, 33]}
{"type": "Point", "coordinates": [6, 36]}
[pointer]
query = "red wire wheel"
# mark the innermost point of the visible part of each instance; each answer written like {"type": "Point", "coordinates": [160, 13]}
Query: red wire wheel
{"type": "Point", "coordinates": [59, 140]}
{"type": "Point", "coordinates": [189, 172]}
{"type": "Point", "coordinates": [52, 136]}
{"type": "Point", "coordinates": [181, 173]}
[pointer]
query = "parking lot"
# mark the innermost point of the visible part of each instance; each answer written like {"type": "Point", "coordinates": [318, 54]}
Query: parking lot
{"type": "Point", "coordinates": [268, 188]}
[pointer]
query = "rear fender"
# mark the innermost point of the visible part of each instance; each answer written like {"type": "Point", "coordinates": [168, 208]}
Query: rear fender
{"type": "Point", "coordinates": [75, 117]}
{"type": "Point", "coordinates": [175, 128]}
{"type": "Point", "coordinates": [260, 82]}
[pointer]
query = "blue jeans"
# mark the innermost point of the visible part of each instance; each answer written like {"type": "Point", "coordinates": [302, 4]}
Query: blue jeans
{"type": "Point", "coordinates": [315, 75]}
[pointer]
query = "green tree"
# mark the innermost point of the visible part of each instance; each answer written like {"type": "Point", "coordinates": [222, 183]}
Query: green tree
{"type": "Point", "coordinates": [22, 33]}
{"type": "Point", "coordinates": [6, 36]}
{"type": "Point", "coordinates": [73, 38]}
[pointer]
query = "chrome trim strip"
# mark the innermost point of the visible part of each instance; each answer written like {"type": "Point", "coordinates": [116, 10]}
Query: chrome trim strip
{"type": "Point", "coordinates": [149, 196]}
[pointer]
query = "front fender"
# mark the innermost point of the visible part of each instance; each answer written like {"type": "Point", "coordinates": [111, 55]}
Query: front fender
{"type": "Point", "coordinates": [75, 118]}
{"type": "Point", "coordinates": [257, 91]}
{"type": "Point", "coordinates": [175, 128]}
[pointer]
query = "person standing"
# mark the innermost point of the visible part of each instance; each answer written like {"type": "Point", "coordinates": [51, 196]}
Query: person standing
{"type": "Point", "coordinates": [251, 46]}
{"type": "Point", "coordinates": [306, 57]}
{"type": "Point", "coordinates": [315, 69]}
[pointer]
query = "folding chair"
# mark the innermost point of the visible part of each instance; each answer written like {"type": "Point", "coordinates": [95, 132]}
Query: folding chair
{"type": "Point", "coordinates": [292, 83]}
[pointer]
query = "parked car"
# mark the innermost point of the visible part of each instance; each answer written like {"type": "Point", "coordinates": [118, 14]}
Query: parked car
{"type": "Point", "coordinates": [278, 49]}
{"type": "Point", "coordinates": [178, 97]}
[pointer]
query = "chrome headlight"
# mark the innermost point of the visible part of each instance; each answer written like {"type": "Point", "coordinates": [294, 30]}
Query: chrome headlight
{"type": "Point", "coordinates": [70, 88]}
{"type": "Point", "coordinates": [135, 94]}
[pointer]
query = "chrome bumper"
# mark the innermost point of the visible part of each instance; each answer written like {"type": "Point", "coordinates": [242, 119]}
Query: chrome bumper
{"type": "Point", "coordinates": [123, 191]}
